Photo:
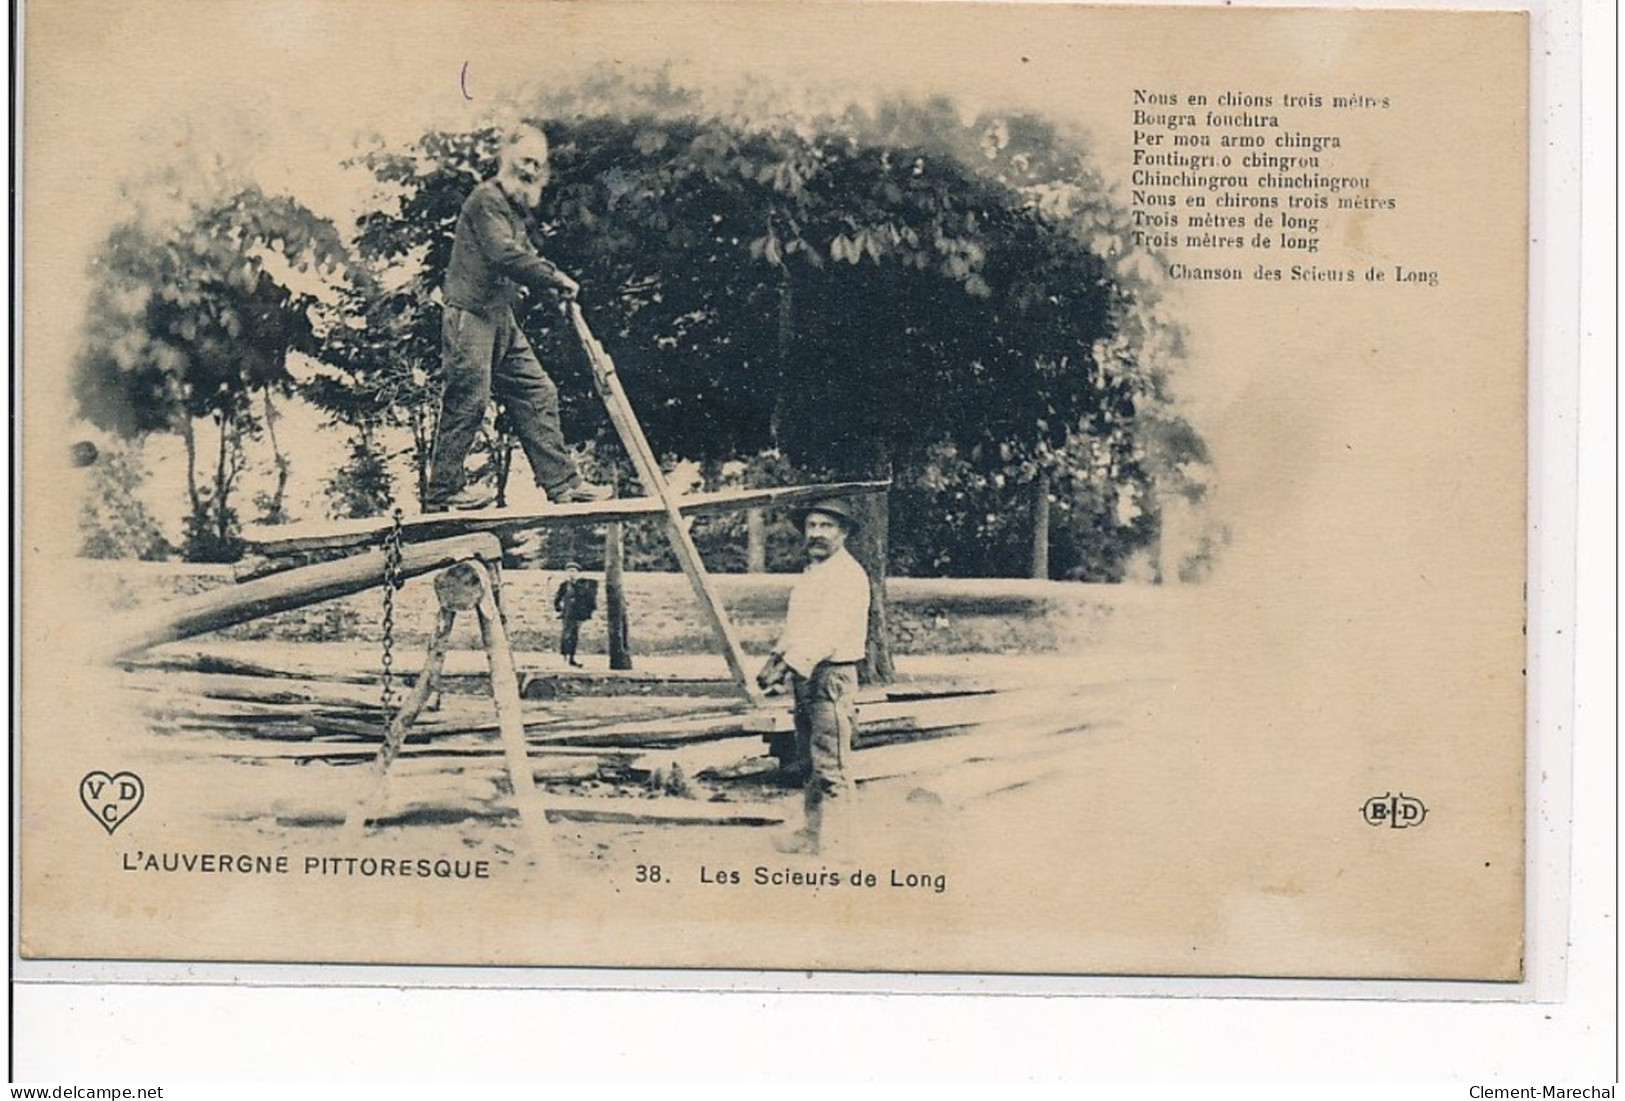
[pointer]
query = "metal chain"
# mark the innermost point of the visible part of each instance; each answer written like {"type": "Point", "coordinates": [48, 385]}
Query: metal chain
{"type": "Point", "coordinates": [392, 582]}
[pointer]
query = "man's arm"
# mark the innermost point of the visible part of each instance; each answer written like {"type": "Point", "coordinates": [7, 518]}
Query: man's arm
{"type": "Point", "coordinates": [773, 674]}
{"type": "Point", "coordinates": [511, 252]}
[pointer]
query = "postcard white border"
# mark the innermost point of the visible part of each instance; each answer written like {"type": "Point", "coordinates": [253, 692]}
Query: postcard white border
{"type": "Point", "coordinates": [160, 1019]}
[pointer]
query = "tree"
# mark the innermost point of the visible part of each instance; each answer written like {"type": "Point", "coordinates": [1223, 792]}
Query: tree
{"type": "Point", "coordinates": [113, 521]}
{"type": "Point", "coordinates": [379, 371]}
{"type": "Point", "coordinates": [915, 281]}
{"type": "Point", "coordinates": [360, 487]}
{"type": "Point", "coordinates": [929, 283]}
{"type": "Point", "coordinates": [872, 292]}
{"type": "Point", "coordinates": [192, 321]}
{"type": "Point", "coordinates": [380, 341]}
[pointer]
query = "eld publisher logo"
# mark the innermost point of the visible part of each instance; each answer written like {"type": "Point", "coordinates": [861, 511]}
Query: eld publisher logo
{"type": "Point", "coordinates": [1397, 811]}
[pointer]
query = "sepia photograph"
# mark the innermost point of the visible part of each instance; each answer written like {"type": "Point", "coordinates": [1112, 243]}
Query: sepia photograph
{"type": "Point", "coordinates": [889, 488]}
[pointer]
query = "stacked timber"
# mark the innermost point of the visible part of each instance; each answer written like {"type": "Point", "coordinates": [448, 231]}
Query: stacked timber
{"type": "Point", "coordinates": [602, 758]}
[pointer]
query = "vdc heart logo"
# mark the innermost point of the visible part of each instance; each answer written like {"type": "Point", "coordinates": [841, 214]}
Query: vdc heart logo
{"type": "Point", "coordinates": [111, 799]}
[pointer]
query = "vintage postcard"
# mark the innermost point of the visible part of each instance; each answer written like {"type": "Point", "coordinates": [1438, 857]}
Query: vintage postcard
{"type": "Point", "coordinates": [1022, 489]}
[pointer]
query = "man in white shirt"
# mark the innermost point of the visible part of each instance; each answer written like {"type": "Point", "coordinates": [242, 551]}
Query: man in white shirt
{"type": "Point", "coordinates": [824, 640]}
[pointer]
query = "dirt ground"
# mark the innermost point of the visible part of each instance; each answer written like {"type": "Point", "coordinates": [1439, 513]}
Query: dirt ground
{"type": "Point", "coordinates": [255, 778]}
{"type": "Point", "coordinates": [1147, 799]}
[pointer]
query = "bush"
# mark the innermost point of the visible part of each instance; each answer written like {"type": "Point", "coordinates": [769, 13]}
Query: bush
{"type": "Point", "coordinates": [113, 521]}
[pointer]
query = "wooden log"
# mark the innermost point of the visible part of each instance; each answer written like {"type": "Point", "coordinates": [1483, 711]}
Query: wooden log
{"type": "Point", "coordinates": [552, 769]}
{"type": "Point", "coordinates": [285, 539]}
{"type": "Point", "coordinates": [158, 705]}
{"type": "Point", "coordinates": [926, 692]}
{"type": "Point", "coordinates": [315, 679]}
{"type": "Point", "coordinates": [258, 734]}
{"type": "Point", "coordinates": [409, 710]}
{"type": "Point", "coordinates": [294, 665]}
{"type": "Point", "coordinates": [700, 760]}
{"type": "Point", "coordinates": [619, 642]}
{"type": "Point", "coordinates": [595, 732]}
{"type": "Point", "coordinates": [657, 733]}
{"type": "Point", "coordinates": [227, 607]}
{"type": "Point", "coordinates": [252, 689]}
{"type": "Point", "coordinates": [466, 713]}
{"type": "Point", "coordinates": [613, 810]}
{"type": "Point", "coordinates": [755, 541]}
{"type": "Point", "coordinates": [247, 749]}
{"type": "Point", "coordinates": [1040, 570]}
{"type": "Point", "coordinates": [215, 665]}
{"type": "Point", "coordinates": [879, 720]}
{"type": "Point", "coordinates": [911, 759]}
{"type": "Point", "coordinates": [663, 811]}
{"type": "Point", "coordinates": [358, 718]}
{"type": "Point", "coordinates": [534, 682]}
{"type": "Point", "coordinates": [505, 691]}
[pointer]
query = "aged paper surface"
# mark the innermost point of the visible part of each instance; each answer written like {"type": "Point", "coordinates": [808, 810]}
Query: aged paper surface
{"type": "Point", "coordinates": [1282, 737]}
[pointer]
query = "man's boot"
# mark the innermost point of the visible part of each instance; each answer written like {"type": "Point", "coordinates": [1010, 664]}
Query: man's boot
{"type": "Point", "coordinates": [470, 497]}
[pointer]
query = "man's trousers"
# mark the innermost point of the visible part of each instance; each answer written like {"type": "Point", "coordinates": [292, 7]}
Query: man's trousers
{"type": "Point", "coordinates": [481, 357]}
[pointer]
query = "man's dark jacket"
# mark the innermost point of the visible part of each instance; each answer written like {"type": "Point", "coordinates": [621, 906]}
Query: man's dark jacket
{"type": "Point", "coordinates": [577, 599]}
{"type": "Point", "coordinates": [492, 256]}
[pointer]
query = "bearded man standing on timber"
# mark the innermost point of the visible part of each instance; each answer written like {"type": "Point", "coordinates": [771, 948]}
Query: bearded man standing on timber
{"type": "Point", "coordinates": [482, 348]}
{"type": "Point", "coordinates": [824, 641]}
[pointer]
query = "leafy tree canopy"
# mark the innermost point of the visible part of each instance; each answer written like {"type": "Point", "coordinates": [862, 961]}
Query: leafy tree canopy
{"type": "Point", "coordinates": [190, 318]}
{"type": "Point", "coordinates": [899, 273]}
{"type": "Point", "coordinates": [193, 317]}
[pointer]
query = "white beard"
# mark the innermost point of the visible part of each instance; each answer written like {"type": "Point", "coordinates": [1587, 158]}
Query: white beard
{"type": "Point", "coordinates": [529, 198]}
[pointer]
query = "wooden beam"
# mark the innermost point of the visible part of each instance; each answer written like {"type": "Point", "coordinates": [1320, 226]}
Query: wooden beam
{"type": "Point", "coordinates": [273, 539]}
{"type": "Point", "coordinates": [231, 605]}
{"type": "Point", "coordinates": [666, 811]}
{"type": "Point", "coordinates": [212, 665]}
{"type": "Point", "coordinates": [587, 732]}
{"type": "Point", "coordinates": [469, 748]}
{"type": "Point", "coordinates": [616, 810]}
{"type": "Point", "coordinates": [649, 472]}
{"type": "Point", "coordinates": [505, 693]}
{"type": "Point", "coordinates": [395, 736]}
{"type": "Point", "coordinates": [299, 667]}
{"type": "Point", "coordinates": [255, 689]}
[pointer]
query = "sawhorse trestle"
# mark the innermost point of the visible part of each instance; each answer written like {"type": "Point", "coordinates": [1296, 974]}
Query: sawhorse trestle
{"type": "Point", "coordinates": [468, 586]}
